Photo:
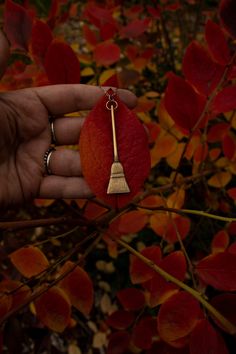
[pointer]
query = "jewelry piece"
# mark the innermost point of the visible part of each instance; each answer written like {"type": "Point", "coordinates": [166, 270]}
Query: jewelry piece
{"type": "Point", "coordinates": [117, 183]}
{"type": "Point", "coordinates": [46, 158]}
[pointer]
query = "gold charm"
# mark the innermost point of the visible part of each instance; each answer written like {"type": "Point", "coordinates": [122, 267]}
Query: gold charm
{"type": "Point", "coordinates": [117, 183]}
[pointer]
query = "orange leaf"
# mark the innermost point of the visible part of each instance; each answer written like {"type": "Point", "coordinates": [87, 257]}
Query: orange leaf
{"type": "Point", "coordinates": [158, 287]}
{"type": "Point", "coordinates": [78, 286]}
{"type": "Point", "coordinates": [96, 151]}
{"type": "Point", "coordinates": [177, 317]}
{"type": "Point", "coordinates": [61, 64]}
{"type": "Point", "coordinates": [220, 179]}
{"type": "Point", "coordinates": [53, 309]}
{"type": "Point", "coordinates": [139, 271]}
{"type": "Point", "coordinates": [18, 291]}
{"type": "Point", "coordinates": [128, 223]}
{"type": "Point", "coordinates": [106, 53]}
{"type": "Point", "coordinates": [29, 261]}
{"type": "Point", "coordinates": [205, 340]}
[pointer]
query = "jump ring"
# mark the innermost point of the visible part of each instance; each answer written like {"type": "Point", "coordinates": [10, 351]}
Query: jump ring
{"type": "Point", "coordinates": [46, 158]}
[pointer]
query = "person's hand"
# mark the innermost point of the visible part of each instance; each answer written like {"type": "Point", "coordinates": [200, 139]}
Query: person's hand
{"type": "Point", "coordinates": [25, 136]}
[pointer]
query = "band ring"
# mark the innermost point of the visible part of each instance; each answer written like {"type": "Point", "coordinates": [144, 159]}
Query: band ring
{"type": "Point", "coordinates": [46, 158]}
{"type": "Point", "coordinates": [53, 135]}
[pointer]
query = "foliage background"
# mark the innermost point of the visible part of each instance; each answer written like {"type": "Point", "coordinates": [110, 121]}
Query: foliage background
{"type": "Point", "coordinates": [192, 169]}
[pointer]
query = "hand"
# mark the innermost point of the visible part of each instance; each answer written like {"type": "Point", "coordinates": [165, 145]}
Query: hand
{"type": "Point", "coordinates": [25, 137]}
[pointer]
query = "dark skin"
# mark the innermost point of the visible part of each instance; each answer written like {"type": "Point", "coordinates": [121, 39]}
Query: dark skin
{"type": "Point", "coordinates": [25, 137]}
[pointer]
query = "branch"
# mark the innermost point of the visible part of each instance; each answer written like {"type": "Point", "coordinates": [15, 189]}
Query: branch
{"type": "Point", "coordinates": [231, 328]}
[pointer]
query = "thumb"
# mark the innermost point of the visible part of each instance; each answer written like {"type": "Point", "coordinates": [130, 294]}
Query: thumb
{"type": "Point", "coordinates": [4, 53]}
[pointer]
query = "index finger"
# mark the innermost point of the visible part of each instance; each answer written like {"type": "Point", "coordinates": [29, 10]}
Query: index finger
{"type": "Point", "coordinates": [63, 99]}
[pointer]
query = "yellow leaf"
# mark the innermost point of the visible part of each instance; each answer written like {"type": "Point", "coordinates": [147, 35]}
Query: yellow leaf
{"type": "Point", "coordinates": [105, 75]}
{"type": "Point", "coordinates": [220, 179]}
{"type": "Point", "coordinates": [87, 71]}
{"type": "Point", "coordinates": [174, 159]}
{"type": "Point", "coordinates": [176, 199]}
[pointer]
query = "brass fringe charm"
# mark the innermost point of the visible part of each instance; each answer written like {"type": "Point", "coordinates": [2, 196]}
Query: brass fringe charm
{"type": "Point", "coordinates": [117, 183]}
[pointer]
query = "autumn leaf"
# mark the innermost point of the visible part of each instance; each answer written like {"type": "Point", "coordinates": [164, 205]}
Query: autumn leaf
{"type": "Point", "coordinates": [17, 291]}
{"type": "Point", "coordinates": [177, 317]}
{"type": "Point", "coordinates": [220, 241]}
{"type": "Point", "coordinates": [200, 70]}
{"type": "Point", "coordinates": [29, 261]}
{"type": "Point", "coordinates": [120, 319]}
{"type": "Point", "coordinates": [96, 151]}
{"type": "Point", "coordinates": [61, 64]}
{"type": "Point", "coordinates": [183, 103]}
{"type": "Point", "coordinates": [118, 342]}
{"type": "Point", "coordinates": [106, 53]}
{"type": "Point", "coordinates": [41, 37]}
{"type": "Point", "coordinates": [78, 287]}
{"type": "Point", "coordinates": [143, 332]}
{"type": "Point", "coordinates": [205, 339]}
{"type": "Point", "coordinates": [17, 25]}
{"type": "Point", "coordinates": [227, 11]}
{"type": "Point", "coordinates": [225, 304]}
{"type": "Point", "coordinates": [141, 272]}
{"type": "Point", "coordinates": [53, 308]}
{"type": "Point", "coordinates": [218, 270]}
{"type": "Point", "coordinates": [159, 289]}
{"type": "Point", "coordinates": [225, 100]}
{"type": "Point", "coordinates": [219, 48]}
{"type": "Point", "coordinates": [135, 28]}
{"type": "Point", "coordinates": [131, 299]}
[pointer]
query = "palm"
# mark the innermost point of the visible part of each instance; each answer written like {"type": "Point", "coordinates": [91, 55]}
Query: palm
{"type": "Point", "coordinates": [25, 137]}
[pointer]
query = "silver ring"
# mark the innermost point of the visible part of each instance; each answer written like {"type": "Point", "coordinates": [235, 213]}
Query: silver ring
{"type": "Point", "coordinates": [53, 136]}
{"type": "Point", "coordinates": [46, 159]}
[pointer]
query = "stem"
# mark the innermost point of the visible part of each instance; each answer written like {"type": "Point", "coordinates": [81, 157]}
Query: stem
{"type": "Point", "coordinates": [231, 328]}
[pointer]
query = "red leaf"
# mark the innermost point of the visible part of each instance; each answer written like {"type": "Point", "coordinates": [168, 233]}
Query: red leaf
{"type": "Point", "coordinates": [135, 28]}
{"type": "Point", "coordinates": [61, 64]}
{"type": "Point", "coordinates": [229, 146]}
{"type": "Point", "coordinates": [118, 343]}
{"type": "Point", "coordinates": [183, 103]}
{"type": "Point", "coordinates": [159, 288]}
{"type": "Point", "coordinates": [217, 43]}
{"type": "Point", "coordinates": [53, 309]}
{"type": "Point", "coordinates": [217, 132]}
{"type": "Point", "coordinates": [17, 25]}
{"type": "Point", "coordinates": [227, 12]}
{"type": "Point", "coordinates": [161, 347]}
{"type": "Point", "coordinates": [220, 241]}
{"type": "Point", "coordinates": [206, 340]}
{"type": "Point", "coordinates": [200, 70]}
{"type": "Point", "coordinates": [131, 299]}
{"type": "Point", "coordinates": [96, 151]}
{"type": "Point", "coordinates": [5, 303]}
{"type": "Point", "coordinates": [108, 30]}
{"type": "Point", "coordinates": [29, 261]}
{"type": "Point", "coordinates": [225, 100]}
{"type": "Point", "coordinates": [78, 286]}
{"type": "Point", "coordinates": [106, 53]}
{"type": "Point", "coordinates": [225, 304]}
{"type": "Point", "coordinates": [90, 36]}
{"type": "Point", "coordinates": [143, 332]}
{"type": "Point", "coordinates": [232, 192]}
{"type": "Point", "coordinates": [219, 271]}
{"type": "Point", "coordinates": [41, 38]}
{"type": "Point", "coordinates": [177, 317]}
{"type": "Point", "coordinates": [139, 271]}
{"type": "Point", "coordinates": [128, 223]}
{"type": "Point", "coordinates": [120, 319]}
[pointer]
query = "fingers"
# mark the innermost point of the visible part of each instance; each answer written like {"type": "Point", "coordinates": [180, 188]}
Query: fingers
{"type": "Point", "coordinates": [62, 99]}
{"type": "Point", "coordinates": [67, 130]}
{"type": "Point", "coordinates": [65, 162]}
{"type": "Point", "coordinates": [56, 187]}
{"type": "Point", "coordinates": [4, 53]}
